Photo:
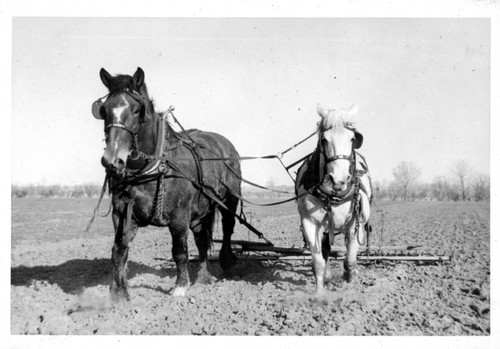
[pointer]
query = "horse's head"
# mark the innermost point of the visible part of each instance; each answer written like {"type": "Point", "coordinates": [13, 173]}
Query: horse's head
{"type": "Point", "coordinates": [123, 110]}
{"type": "Point", "coordinates": [337, 140]}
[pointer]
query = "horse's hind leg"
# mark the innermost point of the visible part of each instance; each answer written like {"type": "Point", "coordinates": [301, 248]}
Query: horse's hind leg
{"type": "Point", "coordinates": [202, 236]}
{"type": "Point", "coordinates": [119, 256]}
{"type": "Point", "coordinates": [226, 257]}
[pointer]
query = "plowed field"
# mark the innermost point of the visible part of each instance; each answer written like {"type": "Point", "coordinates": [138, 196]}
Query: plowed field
{"type": "Point", "coordinates": [60, 278]}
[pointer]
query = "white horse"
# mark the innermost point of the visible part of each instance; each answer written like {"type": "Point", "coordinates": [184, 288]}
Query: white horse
{"type": "Point", "coordinates": [335, 193]}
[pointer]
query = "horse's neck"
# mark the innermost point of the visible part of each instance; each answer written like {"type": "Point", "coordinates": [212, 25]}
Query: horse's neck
{"type": "Point", "coordinates": [315, 168]}
{"type": "Point", "coordinates": [148, 135]}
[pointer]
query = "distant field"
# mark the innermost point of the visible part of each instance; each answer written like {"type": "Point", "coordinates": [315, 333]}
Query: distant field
{"type": "Point", "coordinates": [59, 219]}
{"type": "Point", "coordinates": [42, 220]}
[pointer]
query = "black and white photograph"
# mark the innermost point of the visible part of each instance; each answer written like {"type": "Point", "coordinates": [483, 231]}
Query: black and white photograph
{"type": "Point", "coordinates": [186, 172]}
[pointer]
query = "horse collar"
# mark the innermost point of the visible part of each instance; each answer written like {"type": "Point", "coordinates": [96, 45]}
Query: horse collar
{"type": "Point", "coordinates": [334, 198]}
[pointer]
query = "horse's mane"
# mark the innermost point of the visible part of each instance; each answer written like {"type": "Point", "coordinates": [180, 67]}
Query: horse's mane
{"type": "Point", "coordinates": [121, 83]}
{"type": "Point", "coordinates": [334, 120]}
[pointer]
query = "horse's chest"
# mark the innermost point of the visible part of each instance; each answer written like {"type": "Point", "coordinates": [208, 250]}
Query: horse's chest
{"type": "Point", "coordinates": [318, 211]}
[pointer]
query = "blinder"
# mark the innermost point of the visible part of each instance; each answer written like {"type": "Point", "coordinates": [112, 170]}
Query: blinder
{"type": "Point", "coordinates": [96, 108]}
{"type": "Point", "coordinates": [358, 140]}
{"type": "Point", "coordinates": [97, 105]}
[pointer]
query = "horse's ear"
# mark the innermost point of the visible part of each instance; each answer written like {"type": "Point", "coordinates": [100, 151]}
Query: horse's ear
{"type": "Point", "coordinates": [105, 77]}
{"type": "Point", "coordinates": [139, 77]}
{"type": "Point", "coordinates": [352, 110]}
{"type": "Point", "coordinates": [321, 111]}
{"type": "Point", "coordinates": [358, 140]}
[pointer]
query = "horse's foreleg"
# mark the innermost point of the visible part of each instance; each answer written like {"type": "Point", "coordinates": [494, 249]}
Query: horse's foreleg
{"type": "Point", "coordinates": [119, 256]}
{"type": "Point", "coordinates": [313, 235]}
{"type": "Point", "coordinates": [180, 255]}
{"type": "Point", "coordinates": [352, 246]}
{"type": "Point", "coordinates": [325, 251]}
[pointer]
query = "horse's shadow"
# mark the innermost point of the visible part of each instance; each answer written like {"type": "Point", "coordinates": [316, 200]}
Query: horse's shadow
{"type": "Point", "coordinates": [75, 275]}
{"type": "Point", "coordinates": [256, 272]}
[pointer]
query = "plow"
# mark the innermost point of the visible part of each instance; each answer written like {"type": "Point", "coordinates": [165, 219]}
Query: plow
{"type": "Point", "coordinates": [367, 254]}
{"type": "Point", "coordinates": [264, 251]}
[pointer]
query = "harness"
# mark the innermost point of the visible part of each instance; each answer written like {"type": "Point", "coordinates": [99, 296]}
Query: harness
{"type": "Point", "coordinates": [337, 198]}
{"type": "Point", "coordinates": [158, 164]}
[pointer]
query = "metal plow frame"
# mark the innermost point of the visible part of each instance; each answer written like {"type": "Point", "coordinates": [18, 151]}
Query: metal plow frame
{"type": "Point", "coordinates": [263, 251]}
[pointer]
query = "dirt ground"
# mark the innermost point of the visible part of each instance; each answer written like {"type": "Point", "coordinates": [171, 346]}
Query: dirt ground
{"type": "Point", "coordinates": [60, 278]}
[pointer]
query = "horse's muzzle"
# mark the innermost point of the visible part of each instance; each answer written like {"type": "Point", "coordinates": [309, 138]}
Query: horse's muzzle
{"type": "Point", "coordinates": [330, 186]}
{"type": "Point", "coordinates": [114, 166]}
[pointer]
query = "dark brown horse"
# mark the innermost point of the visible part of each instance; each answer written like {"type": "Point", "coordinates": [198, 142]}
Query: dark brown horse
{"type": "Point", "coordinates": [158, 177]}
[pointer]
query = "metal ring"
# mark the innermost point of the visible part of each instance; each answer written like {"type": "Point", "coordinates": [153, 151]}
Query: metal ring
{"type": "Point", "coordinates": [134, 154]}
{"type": "Point", "coordinates": [162, 167]}
{"type": "Point", "coordinates": [279, 155]}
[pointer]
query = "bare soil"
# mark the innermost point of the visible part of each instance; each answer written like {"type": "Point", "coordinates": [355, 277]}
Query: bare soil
{"type": "Point", "coordinates": [60, 278]}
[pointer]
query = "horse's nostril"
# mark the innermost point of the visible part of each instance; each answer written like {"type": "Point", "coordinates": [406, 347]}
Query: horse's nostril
{"type": "Point", "coordinates": [104, 162]}
{"type": "Point", "coordinates": [119, 164]}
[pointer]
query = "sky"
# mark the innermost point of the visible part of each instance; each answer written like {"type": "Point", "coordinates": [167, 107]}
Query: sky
{"type": "Point", "coordinates": [422, 86]}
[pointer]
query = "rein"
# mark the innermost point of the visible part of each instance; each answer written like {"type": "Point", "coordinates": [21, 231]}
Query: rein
{"type": "Point", "coordinates": [96, 210]}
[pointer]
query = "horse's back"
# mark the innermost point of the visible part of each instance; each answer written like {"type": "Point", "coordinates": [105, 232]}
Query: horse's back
{"type": "Point", "coordinates": [215, 146]}
{"type": "Point", "coordinates": [308, 173]}
{"type": "Point", "coordinates": [214, 142]}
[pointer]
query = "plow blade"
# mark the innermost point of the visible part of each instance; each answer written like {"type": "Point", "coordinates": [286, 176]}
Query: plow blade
{"type": "Point", "coordinates": [361, 259]}
{"type": "Point", "coordinates": [255, 250]}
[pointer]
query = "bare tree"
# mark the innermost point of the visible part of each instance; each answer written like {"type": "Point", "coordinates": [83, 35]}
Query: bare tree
{"type": "Point", "coordinates": [461, 169]}
{"type": "Point", "coordinates": [270, 184]}
{"type": "Point", "coordinates": [481, 187]}
{"type": "Point", "coordinates": [406, 174]}
{"type": "Point", "coordinates": [440, 188]}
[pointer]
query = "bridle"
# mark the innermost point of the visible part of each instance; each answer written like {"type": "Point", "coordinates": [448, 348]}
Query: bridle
{"type": "Point", "coordinates": [351, 158]}
{"type": "Point", "coordinates": [135, 153]}
{"type": "Point", "coordinates": [153, 163]}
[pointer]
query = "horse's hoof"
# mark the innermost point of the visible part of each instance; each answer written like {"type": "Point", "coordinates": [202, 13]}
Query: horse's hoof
{"type": "Point", "coordinates": [205, 279]}
{"type": "Point", "coordinates": [118, 295]}
{"type": "Point", "coordinates": [350, 276]}
{"type": "Point", "coordinates": [320, 291]}
{"type": "Point", "coordinates": [179, 291]}
{"type": "Point", "coordinates": [227, 262]}
{"type": "Point", "coordinates": [328, 275]}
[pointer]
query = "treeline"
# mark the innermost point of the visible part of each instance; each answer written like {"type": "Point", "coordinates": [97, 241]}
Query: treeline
{"type": "Point", "coordinates": [55, 191]}
{"type": "Point", "coordinates": [462, 184]}
{"type": "Point", "coordinates": [440, 189]}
